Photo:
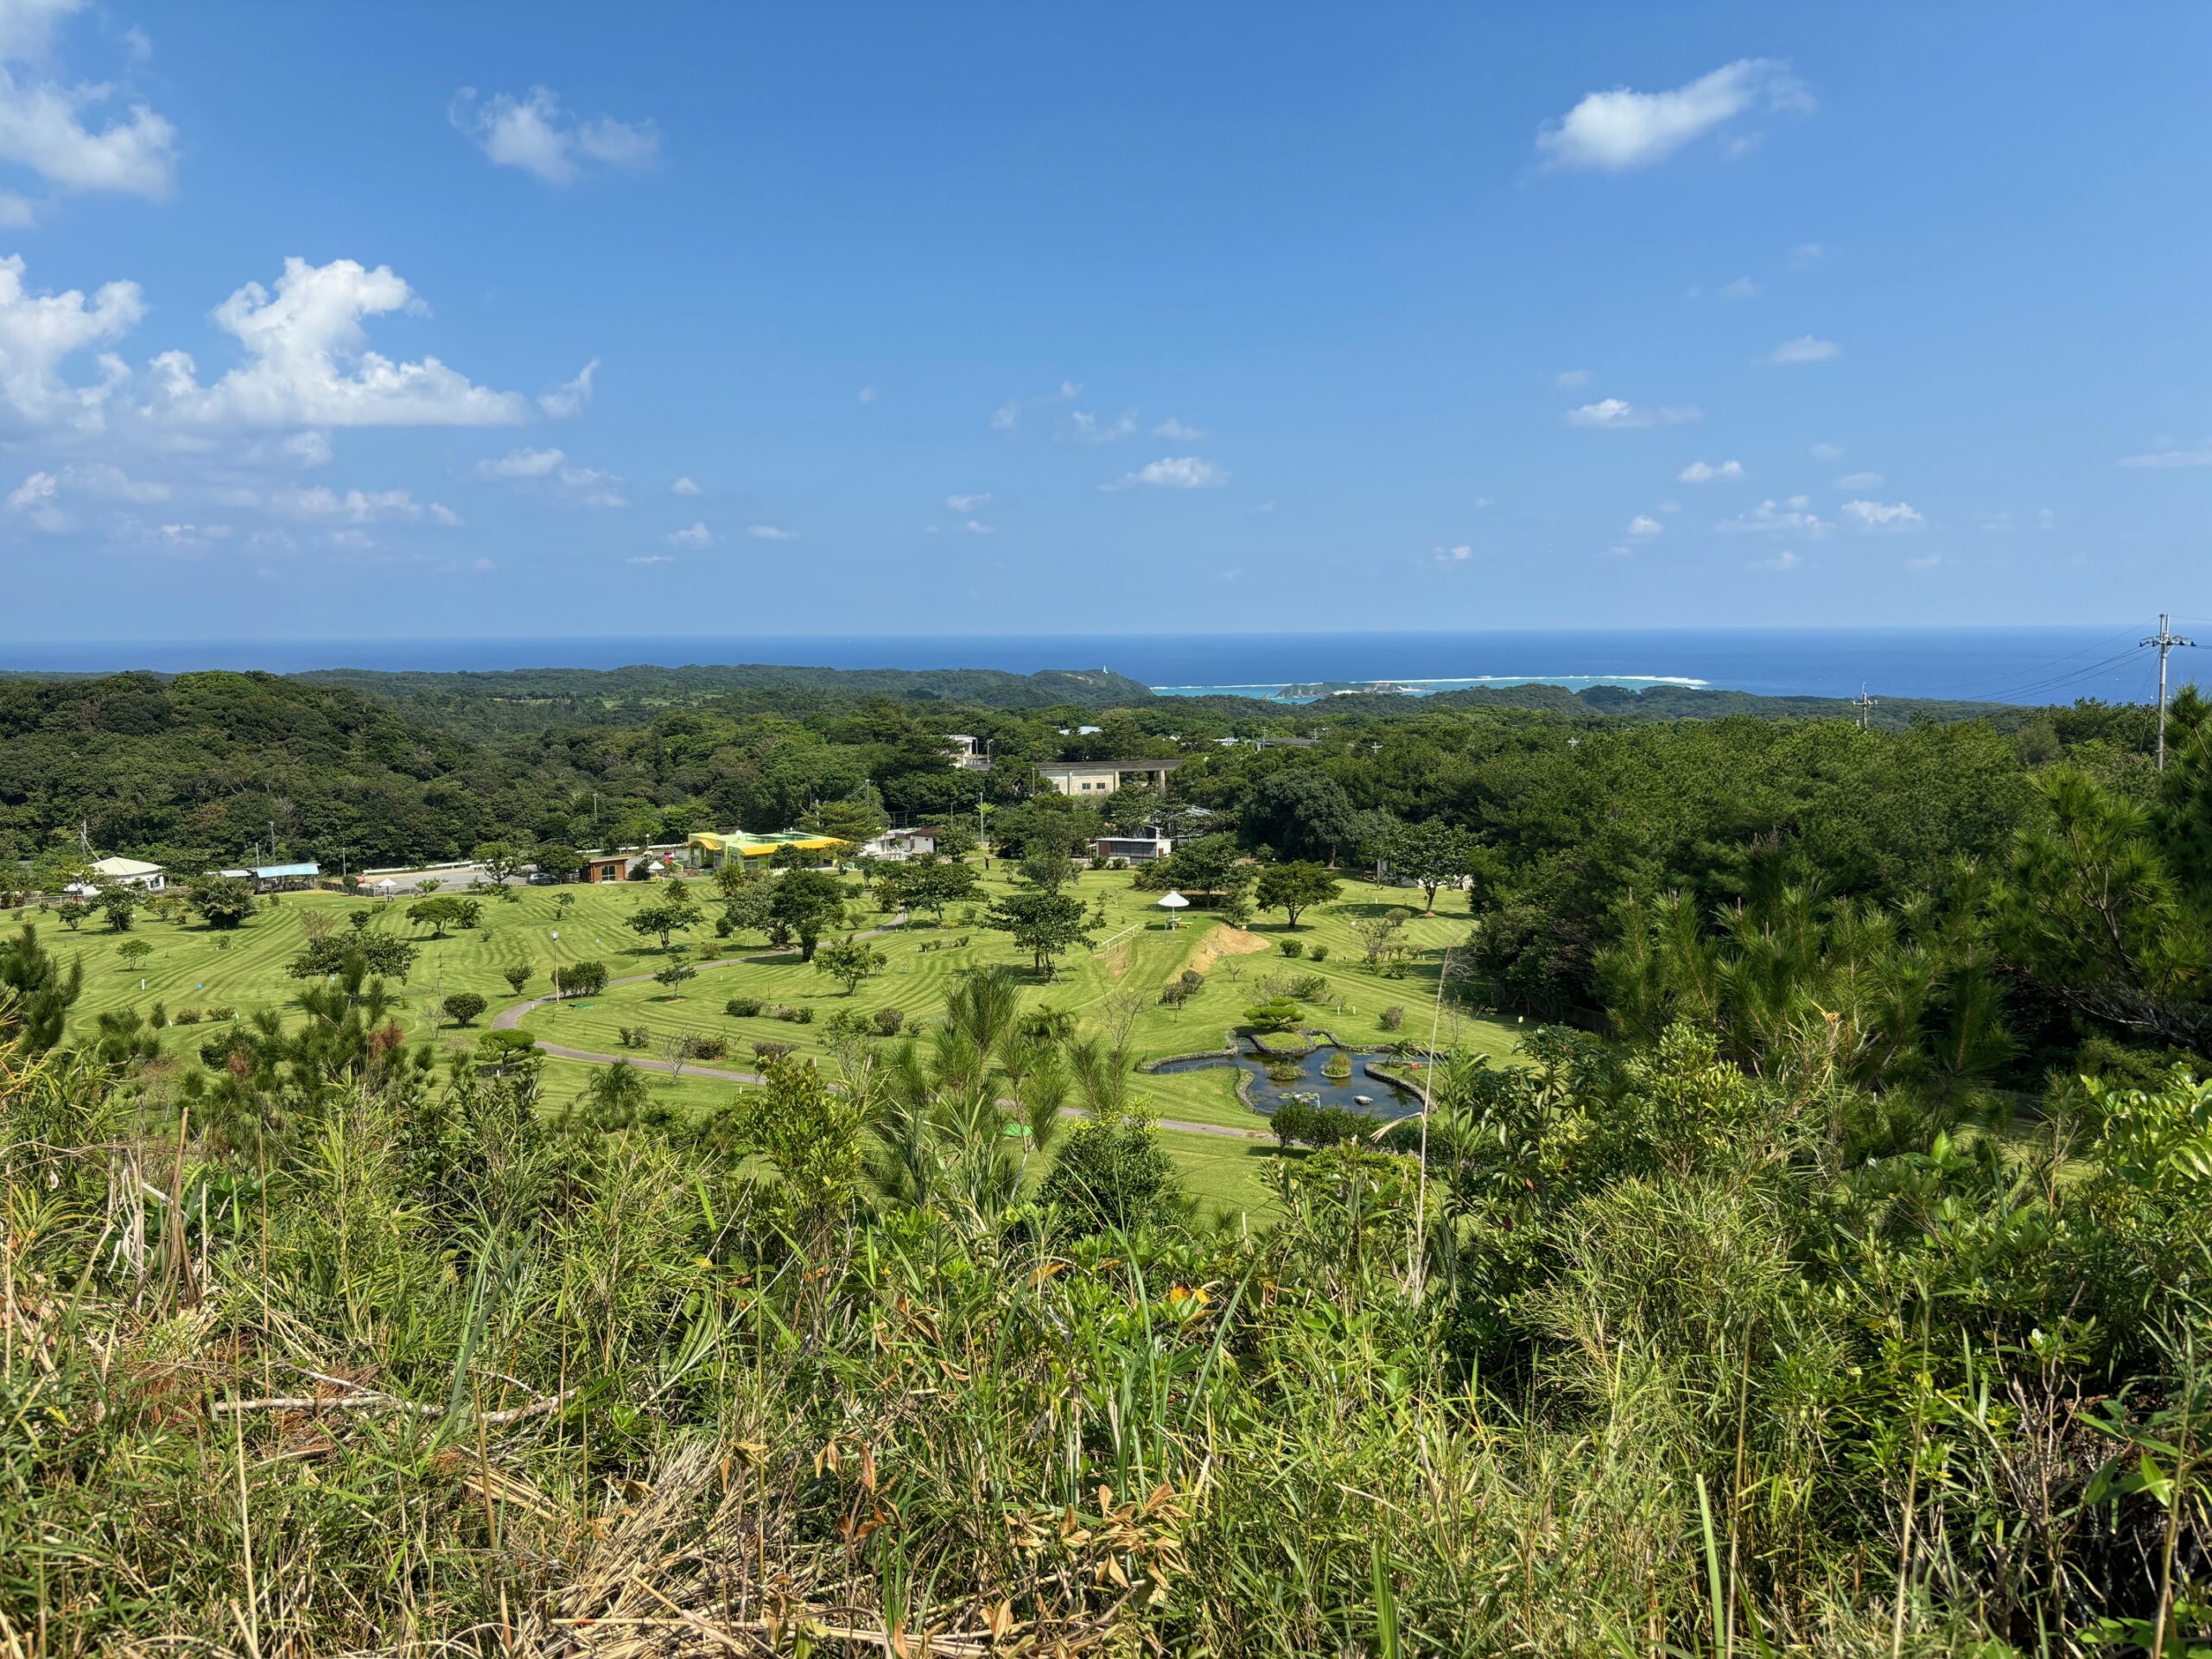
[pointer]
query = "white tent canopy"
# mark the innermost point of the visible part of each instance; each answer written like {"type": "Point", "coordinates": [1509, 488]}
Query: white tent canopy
{"type": "Point", "coordinates": [1171, 901]}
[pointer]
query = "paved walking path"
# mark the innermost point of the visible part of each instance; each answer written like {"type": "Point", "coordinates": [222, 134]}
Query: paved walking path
{"type": "Point", "coordinates": [510, 1019]}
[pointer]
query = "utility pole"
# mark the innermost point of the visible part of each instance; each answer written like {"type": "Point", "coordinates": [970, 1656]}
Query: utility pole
{"type": "Point", "coordinates": [1864, 705]}
{"type": "Point", "coordinates": [2166, 639]}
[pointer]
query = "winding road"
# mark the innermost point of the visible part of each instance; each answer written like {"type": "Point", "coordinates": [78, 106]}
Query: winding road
{"type": "Point", "coordinates": [511, 1019]}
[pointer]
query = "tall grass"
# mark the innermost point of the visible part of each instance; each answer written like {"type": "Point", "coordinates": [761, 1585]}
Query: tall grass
{"type": "Point", "coordinates": [427, 1374]}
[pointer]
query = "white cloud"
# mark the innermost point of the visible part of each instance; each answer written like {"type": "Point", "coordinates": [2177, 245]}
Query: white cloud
{"type": "Point", "coordinates": [536, 135]}
{"type": "Point", "coordinates": [482, 566]}
{"type": "Point", "coordinates": [1089, 429]}
{"type": "Point", "coordinates": [974, 528]}
{"type": "Point", "coordinates": [1860, 482]}
{"type": "Point", "coordinates": [38, 331]}
{"type": "Point", "coordinates": [1826, 452]}
{"type": "Point", "coordinates": [37, 488]}
{"type": "Point", "coordinates": [357, 506]}
{"type": "Point", "coordinates": [310, 366]}
{"type": "Point", "coordinates": [867, 394]}
{"type": "Point", "coordinates": [443, 514]}
{"type": "Point", "coordinates": [1803, 349]}
{"type": "Point", "coordinates": [770, 533]}
{"type": "Point", "coordinates": [2193, 455]}
{"type": "Point", "coordinates": [965, 504]}
{"type": "Point", "coordinates": [1795, 517]}
{"type": "Point", "coordinates": [1618, 414]}
{"type": "Point", "coordinates": [697, 536]}
{"type": "Point", "coordinates": [1924, 562]}
{"type": "Point", "coordinates": [1614, 130]}
{"type": "Point", "coordinates": [651, 558]}
{"type": "Point", "coordinates": [522, 463]}
{"type": "Point", "coordinates": [685, 486]}
{"type": "Point", "coordinates": [357, 540]}
{"type": "Point", "coordinates": [1070, 391]}
{"type": "Point", "coordinates": [1806, 255]}
{"type": "Point", "coordinates": [1006, 416]}
{"type": "Point", "coordinates": [1172, 428]}
{"type": "Point", "coordinates": [1784, 560]}
{"type": "Point", "coordinates": [1741, 289]}
{"type": "Point", "coordinates": [569, 397]}
{"type": "Point", "coordinates": [1459, 555]}
{"type": "Point", "coordinates": [1876, 515]}
{"type": "Point", "coordinates": [309, 448]}
{"type": "Point", "coordinates": [1175, 472]}
{"type": "Point", "coordinates": [1700, 472]}
{"type": "Point", "coordinates": [15, 213]}
{"type": "Point", "coordinates": [1644, 524]}
{"type": "Point", "coordinates": [1568, 379]}
{"type": "Point", "coordinates": [585, 486]}
{"type": "Point", "coordinates": [45, 123]}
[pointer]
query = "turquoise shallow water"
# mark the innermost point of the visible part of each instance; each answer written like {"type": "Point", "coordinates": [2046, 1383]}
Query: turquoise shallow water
{"type": "Point", "coordinates": [1993, 664]}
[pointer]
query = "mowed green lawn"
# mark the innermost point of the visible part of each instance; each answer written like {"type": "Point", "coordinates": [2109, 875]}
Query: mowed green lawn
{"type": "Point", "coordinates": [192, 967]}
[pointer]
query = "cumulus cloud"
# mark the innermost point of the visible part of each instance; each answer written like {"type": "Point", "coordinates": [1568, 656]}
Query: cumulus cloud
{"type": "Point", "coordinates": [1806, 255]}
{"type": "Point", "coordinates": [1784, 560]}
{"type": "Point", "coordinates": [308, 364]}
{"type": "Point", "coordinates": [1890, 516]}
{"type": "Point", "coordinates": [1826, 452]}
{"type": "Point", "coordinates": [584, 486]}
{"type": "Point", "coordinates": [770, 533]}
{"type": "Point", "coordinates": [1089, 428]}
{"type": "Point", "coordinates": [1006, 416]}
{"type": "Point", "coordinates": [1173, 472]}
{"type": "Point", "coordinates": [1613, 132]}
{"type": "Point", "coordinates": [1741, 289]}
{"type": "Point", "coordinates": [1459, 555]}
{"type": "Point", "coordinates": [1620, 415]}
{"type": "Point", "coordinates": [1180, 431]}
{"type": "Point", "coordinates": [1860, 482]}
{"type": "Point", "coordinates": [39, 495]}
{"type": "Point", "coordinates": [1701, 472]}
{"type": "Point", "coordinates": [359, 506]}
{"type": "Point", "coordinates": [569, 397]}
{"type": "Point", "coordinates": [38, 331]}
{"type": "Point", "coordinates": [696, 535]}
{"type": "Point", "coordinates": [651, 558]}
{"type": "Point", "coordinates": [1803, 349]}
{"type": "Point", "coordinates": [2199, 455]}
{"type": "Point", "coordinates": [1644, 524]}
{"type": "Point", "coordinates": [1568, 379]}
{"type": "Point", "coordinates": [685, 486]}
{"type": "Point", "coordinates": [966, 503]}
{"type": "Point", "coordinates": [536, 135]}
{"type": "Point", "coordinates": [80, 137]}
{"type": "Point", "coordinates": [1793, 518]}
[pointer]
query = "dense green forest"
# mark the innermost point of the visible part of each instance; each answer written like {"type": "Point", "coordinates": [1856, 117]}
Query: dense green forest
{"type": "Point", "coordinates": [1824, 1275]}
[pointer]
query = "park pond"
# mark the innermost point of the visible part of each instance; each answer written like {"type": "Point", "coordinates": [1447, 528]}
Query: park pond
{"type": "Point", "coordinates": [1271, 1082]}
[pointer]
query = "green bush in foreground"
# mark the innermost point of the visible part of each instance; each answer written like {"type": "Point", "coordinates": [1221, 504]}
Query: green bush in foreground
{"type": "Point", "coordinates": [404, 1356]}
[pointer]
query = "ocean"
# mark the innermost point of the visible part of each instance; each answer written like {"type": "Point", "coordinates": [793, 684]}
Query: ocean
{"type": "Point", "coordinates": [2025, 665]}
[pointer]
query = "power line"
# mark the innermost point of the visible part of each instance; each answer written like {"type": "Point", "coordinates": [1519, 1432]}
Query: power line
{"type": "Point", "coordinates": [2166, 639]}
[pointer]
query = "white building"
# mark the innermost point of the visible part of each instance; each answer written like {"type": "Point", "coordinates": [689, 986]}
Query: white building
{"type": "Point", "coordinates": [130, 873]}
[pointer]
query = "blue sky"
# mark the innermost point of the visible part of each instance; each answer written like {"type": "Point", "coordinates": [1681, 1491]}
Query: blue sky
{"type": "Point", "coordinates": [399, 320]}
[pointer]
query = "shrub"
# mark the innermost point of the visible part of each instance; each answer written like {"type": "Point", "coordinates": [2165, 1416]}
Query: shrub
{"type": "Point", "coordinates": [1279, 1014]}
{"type": "Point", "coordinates": [1309, 987]}
{"type": "Point", "coordinates": [802, 1016]}
{"type": "Point", "coordinates": [158, 1018]}
{"type": "Point", "coordinates": [742, 1007]}
{"type": "Point", "coordinates": [698, 1046]}
{"type": "Point", "coordinates": [219, 1014]}
{"type": "Point", "coordinates": [1291, 948]}
{"type": "Point", "coordinates": [1317, 953]}
{"type": "Point", "coordinates": [766, 1053]}
{"type": "Point", "coordinates": [634, 1036]}
{"type": "Point", "coordinates": [187, 1016]}
{"type": "Point", "coordinates": [1393, 1017]}
{"type": "Point", "coordinates": [888, 1022]}
{"type": "Point", "coordinates": [1183, 988]}
{"type": "Point", "coordinates": [463, 1006]}
{"type": "Point", "coordinates": [1308, 1125]}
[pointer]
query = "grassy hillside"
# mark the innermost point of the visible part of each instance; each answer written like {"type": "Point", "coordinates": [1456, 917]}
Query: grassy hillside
{"type": "Point", "coordinates": [193, 968]}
